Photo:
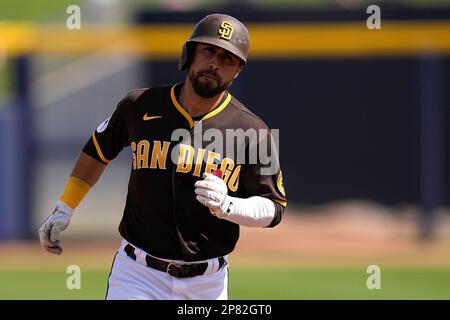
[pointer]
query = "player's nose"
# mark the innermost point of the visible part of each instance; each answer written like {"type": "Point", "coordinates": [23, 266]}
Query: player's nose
{"type": "Point", "coordinates": [213, 66]}
{"type": "Point", "coordinates": [214, 63]}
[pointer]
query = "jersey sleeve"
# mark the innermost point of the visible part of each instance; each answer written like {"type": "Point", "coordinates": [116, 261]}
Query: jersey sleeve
{"type": "Point", "coordinates": [111, 136]}
{"type": "Point", "coordinates": [263, 176]}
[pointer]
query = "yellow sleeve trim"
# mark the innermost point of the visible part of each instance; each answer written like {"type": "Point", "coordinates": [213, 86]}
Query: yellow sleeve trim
{"type": "Point", "coordinates": [99, 151]}
{"type": "Point", "coordinates": [283, 203]}
{"type": "Point", "coordinates": [76, 189]}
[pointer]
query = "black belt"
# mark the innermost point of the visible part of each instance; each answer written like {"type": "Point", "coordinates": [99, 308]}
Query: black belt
{"type": "Point", "coordinates": [174, 269]}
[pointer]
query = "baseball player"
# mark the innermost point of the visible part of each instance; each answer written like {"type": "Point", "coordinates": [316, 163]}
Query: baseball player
{"type": "Point", "coordinates": [198, 172]}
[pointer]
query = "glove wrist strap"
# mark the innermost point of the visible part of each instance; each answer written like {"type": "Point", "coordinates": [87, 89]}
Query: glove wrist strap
{"type": "Point", "coordinates": [63, 207]}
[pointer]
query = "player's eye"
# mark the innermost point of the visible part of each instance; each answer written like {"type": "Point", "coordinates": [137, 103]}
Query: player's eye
{"type": "Point", "coordinates": [208, 50]}
{"type": "Point", "coordinates": [228, 59]}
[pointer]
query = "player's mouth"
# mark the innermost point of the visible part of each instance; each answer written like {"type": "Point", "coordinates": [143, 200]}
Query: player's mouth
{"type": "Point", "coordinates": [209, 76]}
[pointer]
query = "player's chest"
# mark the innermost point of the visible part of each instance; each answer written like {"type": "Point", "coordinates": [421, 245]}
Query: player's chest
{"type": "Point", "coordinates": [169, 144]}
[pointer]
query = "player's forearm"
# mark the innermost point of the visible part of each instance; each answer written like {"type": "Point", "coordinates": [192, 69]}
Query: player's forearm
{"type": "Point", "coordinates": [251, 212]}
{"type": "Point", "coordinates": [88, 169]}
{"type": "Point", "coordinates": [85, 174]}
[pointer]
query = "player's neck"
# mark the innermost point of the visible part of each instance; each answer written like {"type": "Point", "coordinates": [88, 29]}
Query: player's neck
{"type": "Point", "coordinates": [196, 105]}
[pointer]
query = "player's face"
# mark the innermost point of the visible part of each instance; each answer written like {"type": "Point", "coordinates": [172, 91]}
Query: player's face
{"type": "Point", "coordinates": [212, 70]}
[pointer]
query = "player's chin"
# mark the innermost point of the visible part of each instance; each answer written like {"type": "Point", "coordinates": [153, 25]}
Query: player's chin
{"type": "Point", "coordinates": [209, 84]}
{"type": "Point", "coordinates": [207, 91]}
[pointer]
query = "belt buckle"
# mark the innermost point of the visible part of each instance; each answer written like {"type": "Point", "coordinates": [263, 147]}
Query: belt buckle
{"type": "Point", "coordinates": [175, 270]}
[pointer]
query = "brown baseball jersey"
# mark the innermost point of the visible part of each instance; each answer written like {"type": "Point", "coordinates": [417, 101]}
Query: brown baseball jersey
{"type": "Point", "coordinates": [171, 151]}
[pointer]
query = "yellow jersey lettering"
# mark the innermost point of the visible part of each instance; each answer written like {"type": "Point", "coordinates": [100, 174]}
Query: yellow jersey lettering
{"type": "Point", "coordinates": [159, 154]}
{"type": "Point", "coordinates": [199, 162]}
{"type": "Point", "coordinates": [233, 183]}
{"type": "Point", "coordinates": [210, 165]}
{"type": "Point", "coordinates": [185, 158]}
{"type": "Point", "coordinates": [142, 154]}
{"type": "Point", "coordinates": [227, 167]}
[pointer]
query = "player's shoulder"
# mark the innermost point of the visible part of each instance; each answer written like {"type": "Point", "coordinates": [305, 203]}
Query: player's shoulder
{"type": "Point", "coordinates": [147, 93]}
{"type": "Point", "coordinates": [245, 116]}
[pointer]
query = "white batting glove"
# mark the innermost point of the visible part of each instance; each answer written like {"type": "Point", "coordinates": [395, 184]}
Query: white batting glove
{"type": "Point", "coordinates": [212, 193]}
{"type": "Point", "coordinates": [50, 231]}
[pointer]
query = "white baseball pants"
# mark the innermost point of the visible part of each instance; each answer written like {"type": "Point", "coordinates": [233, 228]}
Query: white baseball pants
{"type": "Point", "coordinates": [133, 280]}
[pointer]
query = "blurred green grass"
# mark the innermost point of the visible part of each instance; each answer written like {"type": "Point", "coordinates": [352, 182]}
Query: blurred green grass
{"type": "Point", "coordinates": [253, 283]}
{"type": "Point", "coordinates": [339, 283]}
{"type": "Point", "coordinates": [35, 11]}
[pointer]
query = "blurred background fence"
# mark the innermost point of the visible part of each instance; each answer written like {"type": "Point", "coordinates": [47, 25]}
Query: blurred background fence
{"type": "Point", "coordinates": [362, 113]}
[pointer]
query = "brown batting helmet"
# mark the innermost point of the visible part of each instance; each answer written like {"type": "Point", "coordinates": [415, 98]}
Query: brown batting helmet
{"type": "Point", "coordinates": [220, 30]}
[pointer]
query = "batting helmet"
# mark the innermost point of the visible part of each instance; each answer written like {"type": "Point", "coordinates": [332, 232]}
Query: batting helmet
{"type": "Point", "coordinates": [220, 30]}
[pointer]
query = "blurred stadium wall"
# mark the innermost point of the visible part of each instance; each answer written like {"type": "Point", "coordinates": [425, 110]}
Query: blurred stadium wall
{"type": "Point", "coordinates": [361, 112]}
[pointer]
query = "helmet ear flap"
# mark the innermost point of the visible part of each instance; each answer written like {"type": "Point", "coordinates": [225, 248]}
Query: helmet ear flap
{"type": "Point", "coordinates": [186, 55]}
{"type": "Point", "coordinates": [184, 58]}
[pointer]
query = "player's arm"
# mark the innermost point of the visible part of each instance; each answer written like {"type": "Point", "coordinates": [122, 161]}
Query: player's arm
{"type": "Point", "coordinates": [102, 147]}
{"type": "Point", "coordinates": [88, 169]}
{"type": "Point", "coordinates": [85, 174]}
{"type": "Point", "coordinates": [255, 211]}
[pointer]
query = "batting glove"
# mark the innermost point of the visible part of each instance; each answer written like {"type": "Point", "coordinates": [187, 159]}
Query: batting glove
{"type": "Point", "coordinates": [212, 193]}
{"type": "Point", "coordinates": [50, 231]}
